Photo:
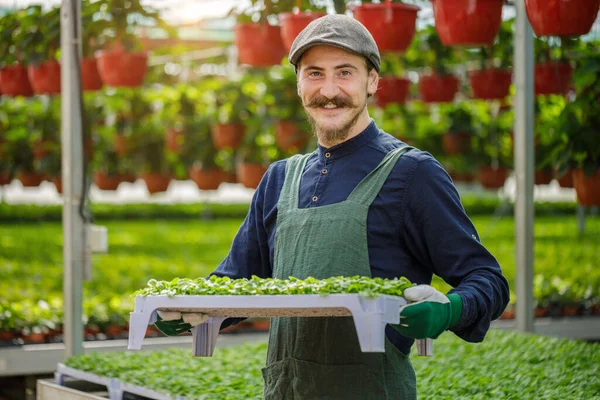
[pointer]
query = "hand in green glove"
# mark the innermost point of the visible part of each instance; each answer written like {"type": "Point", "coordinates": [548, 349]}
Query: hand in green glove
{"type": "Point", "coordinates": [429, 312]}
{"type": "Point", "coordinates": [174, 323]}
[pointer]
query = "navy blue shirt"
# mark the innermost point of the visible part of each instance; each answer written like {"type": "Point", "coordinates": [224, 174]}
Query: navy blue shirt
{"type": "Point", "coordinates": [416, 226]}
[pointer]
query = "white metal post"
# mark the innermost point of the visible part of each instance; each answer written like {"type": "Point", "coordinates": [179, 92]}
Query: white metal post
{"type": "Point", "coordinates": [74, 233]}
{"type": "Point", "coordinates": [524, 167]}
{"type": "Point", "coordinates": [580, 219]}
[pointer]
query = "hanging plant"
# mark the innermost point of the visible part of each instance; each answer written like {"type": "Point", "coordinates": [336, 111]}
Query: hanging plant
{"type": "Point", "coordinates": [294, 21]}
{"type": "Point", "coordinates": [228, 106]}
{"type": "Point", "coordinates": [440, 86]}
{"type": "Point", "coordinates": [108, 120]}
{"type": "Point", "coordinates": [284, 110]}
{"type": "Point", "coordinates": [258, 42]}
{"type": "Point", "coordinates": [492, 81]}
{"type": "Point", "coordinates": [547, 136]}
{"type": "Point", "coordinates": [148, 141]}
{"type": "Point", "coordinates": [561, 17]}
{"type": "Point", "coordinates": [13, 73]}
{"type": "Point", "coordinates": [393, 87]}
{"type": "Point", "coordinates": [38, 40]}
{"type": "Point", "coordinates": [553, 70]}
{"type": "Point", "coordinates": [472, 23]}
{"type": "Point", "coordinates": [197, 153]}
{"type": "Point", "coordinates": [121, 63]}
{"type": "Point", "coordinates": [457, 139]}
{"type": "Point", "coordinates": [252, 158]}
{"type": "Point", "coordinates": [391, 24]}
{"type": "Point", "coordinates": [90, 43]}
{"type": "Point", "coordinates": [492, 147]}
{"type": "Point", "coordinates": [579, 124]}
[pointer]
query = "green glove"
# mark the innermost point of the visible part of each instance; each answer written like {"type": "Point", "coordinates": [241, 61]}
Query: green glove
{"type": "Point", "coordinates": [174, 323]}
{"type": "Point", "coordinates": [429, 312]}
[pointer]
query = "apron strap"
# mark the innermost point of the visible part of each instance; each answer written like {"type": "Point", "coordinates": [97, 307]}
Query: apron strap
{"type": "Point", "coordinates": [294, 167]}
{"type": "Point", "coordinates": [367, 189]}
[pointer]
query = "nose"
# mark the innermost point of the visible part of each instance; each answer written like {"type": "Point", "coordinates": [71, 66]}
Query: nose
{"type": "Point", "coordinates": [329, 89]}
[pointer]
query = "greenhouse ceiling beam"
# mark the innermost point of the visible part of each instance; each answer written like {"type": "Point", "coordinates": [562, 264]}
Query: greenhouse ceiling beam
{"type": "Point", "coordinates": [74, 232]}
{"type": "Point", "coordinates": [524, 167]}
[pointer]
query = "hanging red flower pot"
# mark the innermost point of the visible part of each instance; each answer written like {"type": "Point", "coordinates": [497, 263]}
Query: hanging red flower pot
{"type": "Point", "coordinates": [491, 178]}
{"type": "Point", "coordinates": [5, 178]}
{"type": "Point", "coordinates": [174, 140]}
{"type": "Point", "coordinates": [105, 181]}
{"type": "Point", "coordinates": [391, 24]}
{"type": "Point", "coordinates": [30, 179]}
{"type": "Point", "coordinates": [249, 174]}
{"type": "Point", "coordinates": [128, 177]}
{"type": "Point", "coordinates": [45, 78]}
{"type": "Point", "coordinates": [121, 145]}
{"type": "Point", "coordinates": [259, 45]}
{"type": "Point", "coordinates": [587, 187]}
{"type": "Point", "coordinates": [392, 90]}
{"type": "Point", "coordinates": [227, 135]}
{"type": "Point", "coordinates": [6, 336]}
{"type": "Point", "coordinates": [467, 22]}
{"type": "Point", "coordinates": [57, 180]}
{"type": "Point", "coordinates": [206, 179]}
{"type": "Point", "coordinates": [288, 136]}
{"type": "Point", "coordinates": [438, 88]}
{"type": "Point", "coordinates": [33, 337]}
{"type": "Point", "coordinates": [41, 148]}
{"type": "Point", "coordinates": [561, 17]}
{"type": "Point", "coordinates": [156, 182]}
{"type": "Point", "coordinates": [456, 142]}
{"type": "Point", "coordinates": [543, 177]}
{"type": "Point", "coordinates": [14, 81]}
{"type": "Point", "coordinates": [565, 181]}
{"type": "Point", "coordinates": [552, 78]}
{"type": "Point", "coordinates": [230, 177]}
{"type": "Point", "coordinates": [464, 177]}
{"type": "Point", "coordinates": [90, 78]}
{"type": "Point", "coordinates": [293, 23]}
{"type": "Point", "coordinates": [120, 68]}
{"type": "Point", "coordinates": [490, 84]}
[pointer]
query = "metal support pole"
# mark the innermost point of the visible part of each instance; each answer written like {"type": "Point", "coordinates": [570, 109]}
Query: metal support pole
{"type": "Point", "coordinates": [74, 233]}
{"type": "Point", "coordinates": [524, 167]}
{"type": "Point", "coordinates": [580, 219]}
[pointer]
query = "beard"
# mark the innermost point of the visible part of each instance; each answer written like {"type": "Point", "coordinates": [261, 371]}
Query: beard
{"type": "Point", "coordinates": [333, 134]}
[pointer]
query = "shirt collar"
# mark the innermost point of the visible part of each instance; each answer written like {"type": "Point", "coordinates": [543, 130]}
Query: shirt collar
{"type": "Point", "coordinates": [349, 146]}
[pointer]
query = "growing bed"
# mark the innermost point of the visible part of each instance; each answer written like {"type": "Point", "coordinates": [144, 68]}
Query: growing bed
{"type": "Point", "coordinates": [506, 365]}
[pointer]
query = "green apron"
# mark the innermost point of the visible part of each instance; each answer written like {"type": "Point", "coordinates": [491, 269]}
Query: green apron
{"type": "Point", "coordinates": [319, 357]}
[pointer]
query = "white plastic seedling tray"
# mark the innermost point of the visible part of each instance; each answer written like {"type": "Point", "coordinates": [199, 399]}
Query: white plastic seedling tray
{"type": "Point", "coordinates": [370, 314]}
{"type": "Point", "coordinates": [116, 388]}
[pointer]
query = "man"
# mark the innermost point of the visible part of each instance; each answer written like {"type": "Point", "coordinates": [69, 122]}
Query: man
{"type": "Point", "coordinates": [363, 203]}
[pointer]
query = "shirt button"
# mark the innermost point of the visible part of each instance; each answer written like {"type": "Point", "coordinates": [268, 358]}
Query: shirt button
{"type": "Point", "coordinates": [324, 171]}
{"type": "Point", "coordinates": [327, 155]}
{"type": "Point", "coordinates": [315, 198]}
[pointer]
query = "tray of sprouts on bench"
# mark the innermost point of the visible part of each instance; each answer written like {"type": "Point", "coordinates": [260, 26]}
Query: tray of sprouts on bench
{"type": "Point", "coordinates": [371, 302]}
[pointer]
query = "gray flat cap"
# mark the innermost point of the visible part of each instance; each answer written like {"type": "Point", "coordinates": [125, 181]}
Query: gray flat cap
{"type": "Point", "coordinates": [336, 30]}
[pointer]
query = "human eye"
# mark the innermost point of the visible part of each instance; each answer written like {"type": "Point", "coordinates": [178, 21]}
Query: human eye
{"type": "Point", "coordinates": [345, 72]}
{"type": "Point", "coordinates": [314, 74]}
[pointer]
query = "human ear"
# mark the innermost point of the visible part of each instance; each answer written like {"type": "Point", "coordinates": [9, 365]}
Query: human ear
{"type": "Point", "coordinates": [373, 81]}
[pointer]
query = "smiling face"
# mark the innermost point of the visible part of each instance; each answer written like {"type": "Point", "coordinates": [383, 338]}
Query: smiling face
{"type": "Point", "coordinates": [334, 86]}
